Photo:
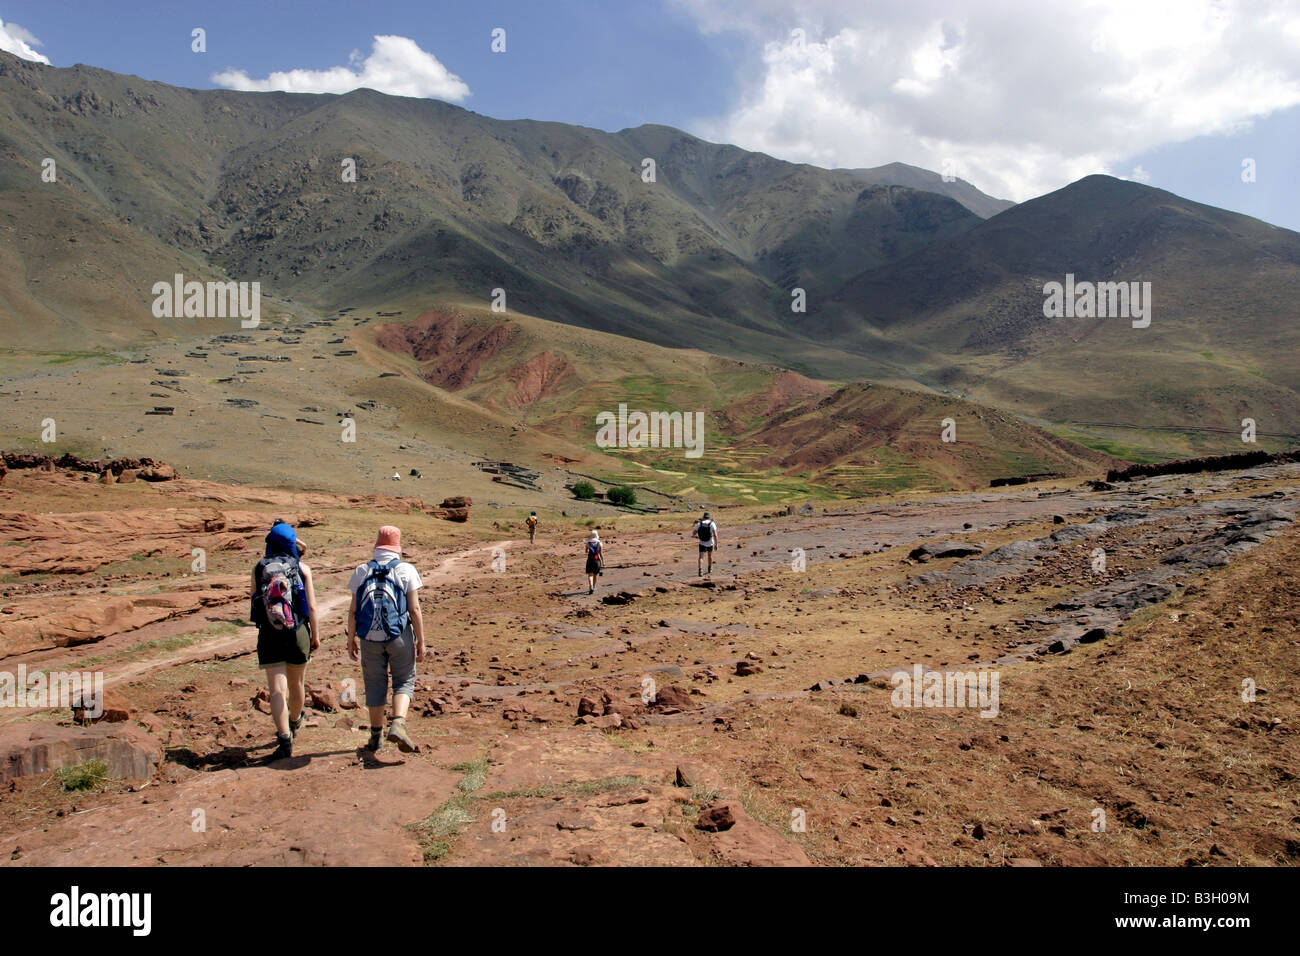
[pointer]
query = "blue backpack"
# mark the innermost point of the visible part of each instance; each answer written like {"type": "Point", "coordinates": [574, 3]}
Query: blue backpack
{"type": "Point", "coordinates": [382, 599]}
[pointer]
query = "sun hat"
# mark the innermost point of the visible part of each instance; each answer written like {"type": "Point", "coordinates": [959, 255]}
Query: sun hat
{"type": "Point", "coordinates": [390, 539]}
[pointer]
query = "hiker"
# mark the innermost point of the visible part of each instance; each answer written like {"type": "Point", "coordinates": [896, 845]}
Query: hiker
{"type": "Point", "coordinates": [595, 560]}
{"type": "Point", "coordinates": [532, 526]}
{"type": "Point", "coordinates": [706, 530]}
{"type": "Point", "coordinates": [386, 633]}
{"type": "Point", "coordinates": [284, 610]}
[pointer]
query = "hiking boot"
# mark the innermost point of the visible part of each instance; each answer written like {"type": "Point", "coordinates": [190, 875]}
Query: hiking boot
{"type": "Point", "coordinates": [284, 747]}
{"type": "Point", "coordinates": [295, 724]}
{"type": "Point", "coordinates": [376, 740]}
{"type": "Point", "coordinates": [397, 734]}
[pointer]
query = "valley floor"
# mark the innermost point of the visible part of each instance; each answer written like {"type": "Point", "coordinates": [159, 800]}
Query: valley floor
{"type": "Point", "coordinates": [1120, 734]}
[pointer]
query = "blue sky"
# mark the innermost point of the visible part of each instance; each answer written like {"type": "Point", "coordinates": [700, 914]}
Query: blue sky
{"type": "Point", "coordinates": [1018, 99]}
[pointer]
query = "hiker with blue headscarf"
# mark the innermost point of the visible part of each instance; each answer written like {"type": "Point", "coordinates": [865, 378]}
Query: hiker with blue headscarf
{"type": "Point", "coordinates": [284, 610]}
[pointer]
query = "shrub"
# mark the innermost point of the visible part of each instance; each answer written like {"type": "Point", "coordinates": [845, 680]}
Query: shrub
{"type": "Point", "coordinates": [621, 495]}
{"type": "Point", "coordinates": [584, 490]}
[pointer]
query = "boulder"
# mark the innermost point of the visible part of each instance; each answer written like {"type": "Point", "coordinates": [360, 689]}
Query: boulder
{"type": "Point", "coordinates": [131, 752]}
{"type": "Point", "coordinates": [116, 710]}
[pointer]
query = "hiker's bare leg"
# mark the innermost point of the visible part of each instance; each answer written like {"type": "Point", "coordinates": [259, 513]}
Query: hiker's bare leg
{"type": "Point", "coordinates": [297, 676]}
{"type": "Point", "coordinates": [400, 703]}
{"type": "Point", "coordinates": [277, 685]}
{"type": "Point", "coordinates": [376, 715]}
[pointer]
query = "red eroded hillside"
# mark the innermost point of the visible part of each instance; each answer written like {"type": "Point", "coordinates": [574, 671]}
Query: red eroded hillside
{"type": "Point", "coordinates": [539, 378]}
{"type": "Point", "coordinates": [450, 348]}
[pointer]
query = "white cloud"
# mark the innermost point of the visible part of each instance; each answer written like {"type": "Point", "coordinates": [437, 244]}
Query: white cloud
{"type": "Point", "coordinates": [14, 39]}
{"type": "Point", "coordinates": [395, 65]}
{"type": "Point", "coordinates": [1017, 98]}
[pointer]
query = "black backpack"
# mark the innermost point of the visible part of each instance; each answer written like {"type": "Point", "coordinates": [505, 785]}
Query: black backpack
{"type": "Point", "coordinates": [705, 531]}
{"type": "Point", "coordinates": [281, 599]}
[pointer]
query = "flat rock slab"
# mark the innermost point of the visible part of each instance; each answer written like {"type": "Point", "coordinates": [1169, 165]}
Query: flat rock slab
{"type": "Point", "coordinates": [327, 807]}
{"type": "Point", "coordinates": [619, 828]}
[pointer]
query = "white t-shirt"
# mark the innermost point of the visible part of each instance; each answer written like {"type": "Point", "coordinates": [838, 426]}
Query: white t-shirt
{"type": "Point", "coordinates": [404, 574]}
{"type": "Point", "coordinates": [713, 527]}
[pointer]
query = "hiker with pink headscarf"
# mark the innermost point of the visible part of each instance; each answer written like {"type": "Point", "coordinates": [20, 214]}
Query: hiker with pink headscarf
{"type": "Point", "coordinates": [283, 606]}
{"type": "Point", "coordinates": [386, 633]}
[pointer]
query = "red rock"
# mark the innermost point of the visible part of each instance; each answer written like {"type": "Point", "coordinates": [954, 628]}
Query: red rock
{"type": "Point", "coordinates": [322, 698]}
{"type": "Point", "coordinates": [116, 709]}
{"type": "Point", "coordinates": [130, 752]}
{"type": "Point", "coordinates": [720, 817]}
{"type": "Point", "coordinates": [588, 708]}
{"type": "Point", "coordinates": [672, 697]}
{"type": "Point", "coordinates": [127, 475]}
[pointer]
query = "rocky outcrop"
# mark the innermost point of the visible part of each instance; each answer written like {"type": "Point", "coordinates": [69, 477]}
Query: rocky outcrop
{"type": "Point", "coordinates": [147, 468]}
{"type": "Point", "coordinates": [130, 752]}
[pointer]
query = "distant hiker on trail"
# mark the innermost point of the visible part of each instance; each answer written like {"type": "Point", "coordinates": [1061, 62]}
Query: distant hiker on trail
{"type": "Point", "coordinates": [532, 526]}
{"type": "Point", "coordinates": [595, 560]}
{"type": "Point", "coordinates": [706, 530]}
{"type": "Point", "coordinates": [284, 610]}
{"type": "Point", "coordinates": [386, 633]}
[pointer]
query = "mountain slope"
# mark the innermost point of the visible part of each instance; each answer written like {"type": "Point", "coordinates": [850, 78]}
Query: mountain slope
{"type": "Point", "coordinates": [1222, 342]}
{"type": "Point", "coordinates": [444, 199]}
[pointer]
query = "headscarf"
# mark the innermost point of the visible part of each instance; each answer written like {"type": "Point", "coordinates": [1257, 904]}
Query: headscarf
{"type": "Point", "coordinates": [282, 539]}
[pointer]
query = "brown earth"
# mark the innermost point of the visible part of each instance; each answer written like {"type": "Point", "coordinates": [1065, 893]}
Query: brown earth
{"type": "Point", "coordinates": [538, 378]}
{"type": "Point", "coordinates": [450, 349]}
{"type": "Point", "coordinates": [542, 743]}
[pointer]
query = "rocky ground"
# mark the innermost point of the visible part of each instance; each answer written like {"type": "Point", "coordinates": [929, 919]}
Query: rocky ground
{"type": "Point", "coordinates": [743, 719]}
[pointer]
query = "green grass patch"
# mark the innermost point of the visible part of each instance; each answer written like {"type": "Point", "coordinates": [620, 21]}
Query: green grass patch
{"type": "Point", "coordinates": [586, 788]}
{"type": "Point", "coordinates": [475, 772]}
{"type": "Point", "coordinates": [91, 775]}
{"type": "Point", "coordinates": [437, 830]}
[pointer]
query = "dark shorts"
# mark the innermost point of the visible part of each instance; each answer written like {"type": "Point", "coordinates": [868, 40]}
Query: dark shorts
{"type": "Point", "coordinates": [705, 547]}
{"type": "Point", "coordinates": [283, 647]}
{"type": "Point", "coordinates": [593, 565]}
